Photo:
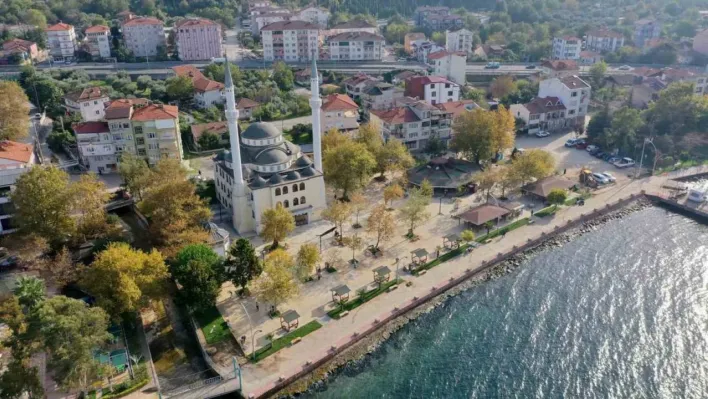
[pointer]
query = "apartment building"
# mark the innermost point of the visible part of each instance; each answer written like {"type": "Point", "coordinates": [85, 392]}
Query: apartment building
{"type": "Point", "coordinates": [357, 84]}
{"type": "Point", "coordinates": [207, 92]}
{"type": "Point", "coordinates": [143, 36]}
{"type": "Point", "coordinates": [411, 38]}
{"type": "Point", "coordinates": [460, 40]}
{"type": "Point", "coordinates": [590, 57]}
{"type": "Point", "coordinates": [432, 89]}
{"type": "Point", "coordinates": [380, 95]}
{"type": "Point", "coordinates": [198, 39]}
{"type": "Point", "coordinates": [543, 114]}
{"type": "Point", "coordinates": [604, 40]}
{"type": "Point", "coordinates": [414, 124]}
{"type": "Point", "coordinates": [355, 25]}
{"type": "Point", "coordinates": [449, 64]}
{"type": "Point", "coordinates": [339, 112]}
{"type": "Point", "coordinates": [423, 48]}
{"type": "Point", "coordinates": [566, 48]}
{"type": "Point", "coordinates": [26, 49]}
{"type": "Point", "coordinates": [97, 150]}
{"type": "Point", "coordinates": [573, 92]}
{"type": "Point", "coordinates": [90, 102]}
{"type": "Point", "coordinates": [314, 15]}
{"type": "Point", "coordinates": [437, 18]}
{"type": "Point", "coordinates": [98, 39]}
{"type": "Point", "coordinates": [356, 46]}
{"type": "Point", "coordinates": [276, 14]}
{"type": "Point", "coordinates": [61, 40]}
{"type": "Point", "coordinates": [15, 159]}
{"type": "Point", "coordinates": [559, 68]}
{"type": "Point", "coordinates": [645, 30]}
{"type": "Point", "coordinates": [290, 41]}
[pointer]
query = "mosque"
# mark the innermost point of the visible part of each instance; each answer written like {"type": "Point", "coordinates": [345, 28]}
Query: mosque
{"type": "Point", "coordinates": [263, 169]}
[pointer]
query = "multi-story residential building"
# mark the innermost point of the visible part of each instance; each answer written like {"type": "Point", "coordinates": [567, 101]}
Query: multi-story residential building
{"type": "Point", "coordinates": [355, 85]}
{"type": "Point", "coordinates": [543, 114]}
{"type": "Point", "coordinates": [432, 89]}
{"type": "Point", "coordinates": [314, 15]}
{"type": "Point", "coordinates": [672, 75]}
{"type": "Point", "coordinates": [118, 114]}
{"type": "Point", "coordinates": [423, 12]}
{"type": "Point", "coordinates": [26, 49]}
{"type": "Point", "coordinates": [290, 41]}
{"type": "Point", "coordinates": [246, 107]}
{"type": "Point", "coordinates": [444, 22]}
{"type": "Point", "coordinates": [457, 108]}
{"type": "Point", "coordinates": [700, 42]}
{"type": "Point", "coordinates": [559, 68]}
{"type": "Point", "coordinates": [339, 112]}
{"type": "Point", "coordinates": [90, 102]}
{"type": "Point", "coordinates": [450, 64]}
{"type": "Point", "coordinates": [61, 40]}
{"type": "Point", "coordinates": [207, 92]}
{"type": "Point", "coordinates": [97, 149]}
{"type": "Point", "coordinates": [566, 48]}
{"type": "Point", "coordinates": [414, 124]}
{"type": "Point", "coordinates": [460, 40]}
{"type": "Point", "coordinates": [99, 41]}
{"type": "Point", "coordinates": [355, 25]}
{"type": "Point", "coordinates": [258, 22]}
{"type": "Point", "coordinates": [15, 160]}
{"type": "Point", "coordinates": [644, 30]}
{"type": "Point", "coordinates": [198, 39]}
{"type": "Point", "coordinates": [573, 92]}
{"type": "Point", "coordinates": [144, 36]}
{"type": "Point", "coordinates": [590, 57]}
{"type": "Point", "coordinates": [423, 48]}
{"type": "Point", "coordinates": [380, 95]}
{"type": "Point", "coordinates": [356, 46]}
{"type": "Point", "coordinates": [411, 38]}
{"type": "Point", "coordinates": [604, 40]}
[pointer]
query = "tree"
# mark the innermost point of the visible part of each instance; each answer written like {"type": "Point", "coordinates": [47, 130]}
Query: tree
{"type": "Point", "coordinates": [209, 141]}
{"type": "Point", "coordinates": [348, 166]}
{"type": "Point", "coordinates": [20, 379]}
{"type": "Point", "coordinates": [242, 263]}
{"type": "Point", "coordinates": [30, 291]}
{"type": "Point", "coordinates": [180, 88]}
{"type": "Point", "coordinates": [598, 124]}
{"type": "Point", "coordinates": [35, 17]}
{"type": "Point", "coordinates": [354, 243]}
{"type": "Point", "coordinates": [557, 197]}
{"type": "Point", "coordinates": [70, 332]}
{"type": "Point", "coordinates": [533, 164]}
{"type": "Point", "coordinates": [625, 125]}
{"type": "Point", "coordinates": [489, 226]}
{"type": "Point", "coordinates": [480, 134]}
{"type": "Point", "coordinates": [200, 273]}
{"type": "Point", "coordinates": [597, 73]}
{"type": "Point", "coordinates": [382, 224]}
{"type": "Point", "coordinates": [502, 86]}
{"type": "Point", "coordinates": [332, 139]}
{"type": "Point", "coordinates": [338, 213]}
{"type": "Point", "coordinates": [14, 108]}
{"type": "Point", "coordinates": [58, 139]}
{"type": "Point", "coordinates": [414, 210]}
{"type": "Point", "coordinates": [122, 278]}
{"type": "Point", "coordinates": [467, 236]}
{"type": "Point", "coordinates": [307, 258]}
{"type": "Point", "coordinates": [277, 222]}
{"type": "Point", "coordinates": [358, 203]}
{"type": "Point", "coordinates": [43, 201]}
{"type": "Point", "coordinates": [89, 208]}
{"type": "Point", "coordinates": [487, 179]}
{"type": "Point", "coordinates": [426, 188]}
{"type": "Point", "coordinates": [283, 76]}
{"type": "Point", "coordinates": [275, 285]}
{"type": "Point", "coordinates": [135, 173]}
{"type": "Point", "coordinates": [392, 193]}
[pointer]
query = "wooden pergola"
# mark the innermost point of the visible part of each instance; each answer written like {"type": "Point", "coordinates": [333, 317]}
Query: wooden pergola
{"type": "Point", "coordinates": [289, 319]}
{"type": "Point", "coordinates": [420, 255]}
{"type": "Point", "coordinates": [451, 241]}
{"type": "Point", "coordinates": [382, 274]}
{"type": "Point", "coordinates": [340, 294]}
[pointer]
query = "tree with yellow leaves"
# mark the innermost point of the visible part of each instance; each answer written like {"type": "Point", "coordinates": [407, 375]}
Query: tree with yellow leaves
{"type": "Point", "coordinates": [480, 135]}
{"type": "Point", "coordinates": [276, 284]}
{"type": "Point", "coordinates": [277, 223]}
{"type": "Point", "coordinates": [14, 108]}
{"type": "Point", "coordinates": [533, 164]}
{"type": "Point", "coordinates": [392, 193]}
{"type": "Point", "coordinates": [307, 258]}
{"type": "Point", "coordinates": [338, 213]}
{"type": "Point", "coordinates": [382, 224]}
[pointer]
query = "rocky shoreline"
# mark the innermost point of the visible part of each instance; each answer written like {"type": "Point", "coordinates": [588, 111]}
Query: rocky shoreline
{"type": "Point", "coordinates": [353, 358]}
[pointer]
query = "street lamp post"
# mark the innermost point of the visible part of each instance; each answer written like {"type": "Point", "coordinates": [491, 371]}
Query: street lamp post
{"type": "Point", "coordinates": [253, 333]}
{"type": "Point", "coordinates": [641, 158]}
{"type": "Point", "coordinates": [398, 260]}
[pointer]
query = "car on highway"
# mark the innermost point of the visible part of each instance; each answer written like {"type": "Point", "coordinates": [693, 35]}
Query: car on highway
{"type": "Point", "coordinates": [592, 149]}
{"type": "Point", "coordinates": [530, 66]}
{"type": "Point", "coordinates": [541, 134]}
{"type": "Point", "coordinates": [571, 142]}
{"type": "Point", "coordinates": [600, 178]}
{"type": "Point", "coordinates": [492, 65]}
{"type": "Point", "coordinates": [609, 176]}
{"type": "Point", "coordinates": [624, 163]}
{"type": "Point", "coordinates": [625, 68]}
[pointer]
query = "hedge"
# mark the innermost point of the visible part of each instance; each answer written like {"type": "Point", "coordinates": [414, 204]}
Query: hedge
{"type": "Point", "coordinates": [361, 299]}
{"type": "Point", "coordinates": [127, 391]}
{"type": "Point", "coordinates": [282, 342]}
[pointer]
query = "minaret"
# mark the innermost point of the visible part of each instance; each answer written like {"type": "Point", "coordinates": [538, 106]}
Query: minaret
{"type": "Point", "coordinates": [232, 118]}
{"type": "Point", "coordinates": [316, 105]}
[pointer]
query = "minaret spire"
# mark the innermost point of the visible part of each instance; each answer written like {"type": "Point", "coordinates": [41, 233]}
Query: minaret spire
{"type": "Point", "coordinates": [316, 105]}
{"type": "Point", "coordinates": [232, 117]}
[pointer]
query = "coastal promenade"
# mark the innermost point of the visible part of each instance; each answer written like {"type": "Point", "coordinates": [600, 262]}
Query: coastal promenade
{"type": "Point", "coordinates": [315, 298]}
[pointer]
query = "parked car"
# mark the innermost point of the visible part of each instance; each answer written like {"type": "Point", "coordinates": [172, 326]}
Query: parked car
{"type": "Point", "coordinates": [609, 177]}
{"type": "Point", "coordinates": [612, 159]}
{"type": "Point", "coordinates": [600, 178]}
{"type": "Point", "coordinates": [8, 262]}
{"type": "Point", "coordinates": [542, 134]}
{"type": "Point", "coordinates": [581, 145]}
{"type": "Point", "coordinates": [571, 142]}
{"type": "Point", "coordinates": [624, 163]}
{"type": "Point", "coordinates": [625, 68]}
{"type": "Point", "coordinates": [592, 148]}
{"type": "Point", "coordinates": [492, 65]}
{"type": "Point", "coordinates": [599, 154]}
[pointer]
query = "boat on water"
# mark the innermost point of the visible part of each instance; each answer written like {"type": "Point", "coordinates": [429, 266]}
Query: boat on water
{"type": "Point", "coordinates": [699, 193]}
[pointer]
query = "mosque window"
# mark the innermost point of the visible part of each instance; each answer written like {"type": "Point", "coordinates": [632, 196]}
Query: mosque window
{"type": "Point", "coordinates": [286, 204]}
{"type": "Point", "coordinates": [295, 187]}
{"type": "Point", "coordinates": [295, 201]}
{"type": "Point", "coordinates": [285, 189]}
{"type": "Point", "coordinates": [302, 186]}
{"type": "Point", "coordinates": [277, 191]}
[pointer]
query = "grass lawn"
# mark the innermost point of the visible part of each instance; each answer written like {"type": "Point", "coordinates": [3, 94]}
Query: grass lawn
{"type": "Point", "coordinates": [282, 342]}
{"type": "Point", "coordinates": [440, 259]}
{"type": "Point", "coordinates": [361, 299]}
{"type": "Point", "coordinates": [571, 201]}
{"type": "Point", "coordinates": [509, 227]}
{"type": "Point", "coordinates": [213, 325]}
{"type": "Point", "coordinates": [549, 210]}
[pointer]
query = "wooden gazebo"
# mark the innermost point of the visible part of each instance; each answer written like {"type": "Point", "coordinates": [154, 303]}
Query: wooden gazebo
{"type": "Point", "coordinates": [420, 255]}
{"type": "Point", "coordinates": [451, 241]}
{"type": "Point", "coordinates": [340, 294]}
{"type": "Point", "coordinates": [382, 274]}
{"type": "Point", "coordinates": [289, 319]}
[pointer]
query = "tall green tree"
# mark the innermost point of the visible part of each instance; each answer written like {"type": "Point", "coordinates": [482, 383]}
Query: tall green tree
{"type": "Point", "coordinates": [19, 379]}
{"type": "Point", "coordinates": [348, 166]}
{"type": "Point", "coordinates": [135, 173]}
{"type": "Point", "coordinates": [242, 263]}
{"type": "Point", "coordinates": [414, 211]}
{"type": "Point", "coordinates": [180, 88]}
{"type": "Point", "coordinates": [30, 292]}
{"type": "Point", "coordinates": [283, 76]}
{"type": "Point", "coordinates": [200, 273]}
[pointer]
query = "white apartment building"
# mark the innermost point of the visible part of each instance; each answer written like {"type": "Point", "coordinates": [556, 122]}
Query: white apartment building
{"type": "Point", "coordinates": [604, 40]}
{"type": "Point", "coordinates": [543, 114]}
{"type": "Point", "coordinates": [356, 46]}
{"type": "Point", "coordinates": [90, 102]}
{"type": "Point", "coordinates": [452, 65]}
{"type": "Point", "coordinates": [380, 95]}
{"type": "Point", "coordinates": [97, 150]}
{"type": "Point", "coordinates": [314, 15]}
{"type": "Point", "coordinates": [61, 40]}
{"type": "Point", "coordinates": [572, 91]}
{"type": "Point", "coordinates": [566, 48]}
{"type": "Point", "coordinates": [143, 36]}
{"type": "Point", "coordinates": [99, 41]}
{"type": "Point", "coordinates": [258, 22]}
{"type": "Point", "coordinates": [422, 48]}
{"type": "Point", "coordinates": [198, 39]}
{"type": "Point", "coordinates": [295, 41]}
{"type": "Point", "coordinates": [356, 25]}
{"type": "Point", "coordinates": [15, 159]}
{"type": "Point", "coordinates": [414, 124]}
{"type": "Point", "coordinates": [432, 89]}
{"type": "Point", "coordinates": [460, 40]}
